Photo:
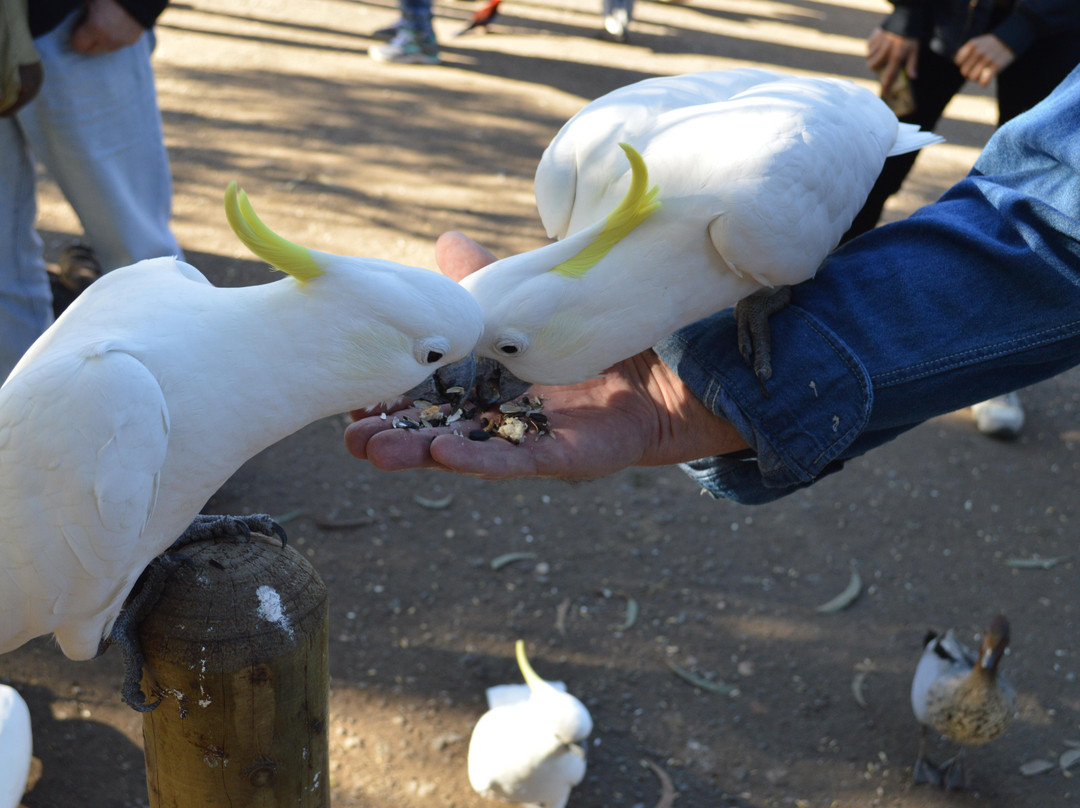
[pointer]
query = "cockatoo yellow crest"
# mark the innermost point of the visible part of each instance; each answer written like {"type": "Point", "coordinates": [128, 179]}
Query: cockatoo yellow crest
{"type": "Point", "coordinates": [757, 176]}
{"type": "Point", "coordinates": [155, 386]}
{"type": "Point", "coordinates": [526, 748]}
{"type": "Point", "coordinates": [638, 204]}
{"type": "Point", "coordinates": [279, 252]}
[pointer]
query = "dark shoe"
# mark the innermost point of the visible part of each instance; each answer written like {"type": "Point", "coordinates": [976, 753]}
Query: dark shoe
{"type": "Point", "coordinates": [76, 269]}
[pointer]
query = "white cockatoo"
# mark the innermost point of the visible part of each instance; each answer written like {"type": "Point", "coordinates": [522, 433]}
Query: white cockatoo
{"type": "Point", "coordinates": [526, 748]}
{"type": "Point", "coordinates": [155, 386]}
{"type": "Point", "coordinates": [16, 747]}
{"type": "Point", "coordinates": [730, 182]}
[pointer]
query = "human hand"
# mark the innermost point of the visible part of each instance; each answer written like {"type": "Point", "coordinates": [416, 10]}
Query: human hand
{"type": "Point", "coordinates": [982, 58]}
{"type": "Point", "coordinates": [106, 27]}
{"type": "Point", "coordinates": [638, 413]}
{"type": "Point", "coordinates": [887, 52]}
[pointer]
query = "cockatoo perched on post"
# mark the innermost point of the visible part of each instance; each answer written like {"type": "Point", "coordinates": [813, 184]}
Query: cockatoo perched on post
{"type": "Point", "coordinates": [527, 749]}
{"type": "Point", "coordinates": [154, 387]}
{"type": "Point", "coordinates": [726, 183]}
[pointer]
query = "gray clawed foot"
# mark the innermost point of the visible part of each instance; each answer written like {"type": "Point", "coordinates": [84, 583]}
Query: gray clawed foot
{"type": "Point", "coordinates": [148, 589]}
{"type": "Point", "coordinates": [125, 630]}
{"type": "Point", "coordinates": [209, 528]}
{"type": "Point", "coordinates": [752, 321]}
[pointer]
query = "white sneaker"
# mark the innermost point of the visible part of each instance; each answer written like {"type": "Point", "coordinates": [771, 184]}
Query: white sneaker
{"type": "Point", "coordinates": [999, 417]}
{"type": "Point", "coordinates": [407, 47]}
{"type": "Point", "coordinates": [616, 25]}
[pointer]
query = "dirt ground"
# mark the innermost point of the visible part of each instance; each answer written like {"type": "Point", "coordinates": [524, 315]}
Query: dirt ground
{"type": "Point", "coordinates": [347, 155]}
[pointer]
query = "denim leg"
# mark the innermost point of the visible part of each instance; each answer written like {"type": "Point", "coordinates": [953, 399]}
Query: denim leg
{"type": "Point", "coordinates": [610, 6]}
{"type": "Point", "coordinates": [417, 17]}
{"type": "Point", "coordinates": [25, 299]}
{"type": "Point", "coordinates": [96, 128]}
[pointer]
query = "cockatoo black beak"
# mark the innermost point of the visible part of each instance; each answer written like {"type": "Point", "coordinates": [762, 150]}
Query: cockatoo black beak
{"type": "Point", "coordinates": [495, 384]}
{"type": "Point", "coordinates": [437, 387]}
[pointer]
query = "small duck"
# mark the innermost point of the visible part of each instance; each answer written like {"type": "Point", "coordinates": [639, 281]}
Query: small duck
{"type": "Point", "coordinates": [960, 696]}
{"type": "Point", "coordinates": [526, 748]}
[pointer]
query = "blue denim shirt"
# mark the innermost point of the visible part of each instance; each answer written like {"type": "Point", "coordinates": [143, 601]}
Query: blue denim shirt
{"type": "Point", "coordinates": [973, 296]}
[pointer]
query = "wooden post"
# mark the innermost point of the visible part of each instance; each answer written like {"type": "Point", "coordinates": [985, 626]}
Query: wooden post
{"type": "Point", "coordinates": [237, 650]}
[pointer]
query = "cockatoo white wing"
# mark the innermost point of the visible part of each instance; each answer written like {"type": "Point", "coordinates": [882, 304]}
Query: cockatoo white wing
{"type": "Point", "coordinates": [777, 165]}
{"type": "Point", "coordinates": [575, 174]}
{"type": "Point", "coordinates": [15, 747]}
{"type": "Point", "coordinates": [799, 157]}
{"type": "Point", "coordinates": [85, 428]}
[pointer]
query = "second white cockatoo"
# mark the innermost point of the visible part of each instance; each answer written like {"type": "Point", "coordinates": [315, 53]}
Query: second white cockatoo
{"type": "Point", "coordinates": [16, 747]}
{"type": "Point", "coordinates": [527, 748]}
{"type": "Point", "coordinates": [155, 386]}
{"type": "Point", "coordinates": [672, 199]}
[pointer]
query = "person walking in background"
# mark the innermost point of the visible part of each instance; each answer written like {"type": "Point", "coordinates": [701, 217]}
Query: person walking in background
{"type": "Point", "coordinates": [413, 39]}
{"type": "Point", "coordinates": [96, 127]}
{"type": "Point", "coordinates": [926, 50]}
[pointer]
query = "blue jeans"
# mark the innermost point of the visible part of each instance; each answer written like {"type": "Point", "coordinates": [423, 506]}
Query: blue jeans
{"type": "Point", "coordinates": [417, 17]}
{"type": "Point", "coordinates": [973, 296]}
{"type": "Point", "coordinates": [96, 128]}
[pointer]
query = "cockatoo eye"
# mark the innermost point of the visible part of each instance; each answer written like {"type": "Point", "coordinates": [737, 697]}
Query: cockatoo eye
{"type": "Point", "coordinates": [511, 346]}
{"type": "Point", "coordinates": [431, 350]}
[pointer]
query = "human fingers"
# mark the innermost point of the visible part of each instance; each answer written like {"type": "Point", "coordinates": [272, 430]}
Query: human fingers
{"type": "Point", "coordinates": [494, 459]}
{"type": "Point", "coordinates": [458, 255]}
{"type": "Point", "coordinates": [376, 440]}
{"type": "Point", "coordinates": [887, 52]}
{"type": "Point", "coordinates": [877, 49]}
{"type": "Point", "coordinates": [982, 58]}
{"type": "Point", "coordinates": [911, 63]}
{"type": "Point", "coordinates": [562, 452]}
{"type": "Point", "coordinates": [574, 449]}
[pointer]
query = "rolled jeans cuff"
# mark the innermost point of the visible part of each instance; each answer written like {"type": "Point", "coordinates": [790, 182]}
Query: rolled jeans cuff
{"type": "Point", "coordinates": [798, 425]}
